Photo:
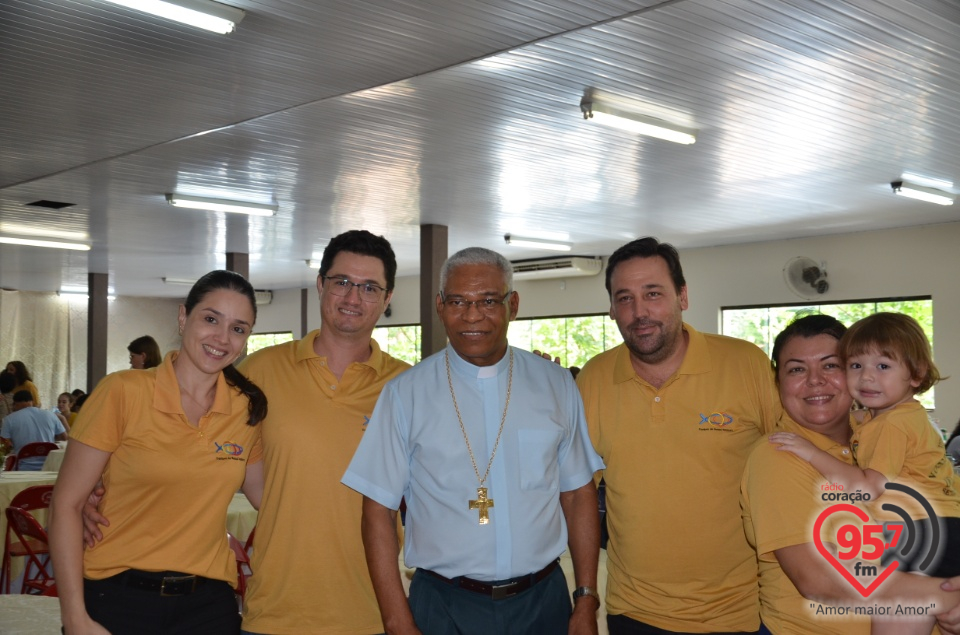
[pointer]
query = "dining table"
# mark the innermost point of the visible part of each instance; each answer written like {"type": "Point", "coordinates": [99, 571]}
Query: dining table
{"type": "Point", "coordinates": [29, 615]}
{"type": "Point", "coordinates": [54, 460]}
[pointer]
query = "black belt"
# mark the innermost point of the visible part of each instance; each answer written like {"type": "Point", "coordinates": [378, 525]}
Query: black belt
{"type": "Point", "coordinates": [166, 582]}
{"type": "Point", "coordinates": [500, 589]}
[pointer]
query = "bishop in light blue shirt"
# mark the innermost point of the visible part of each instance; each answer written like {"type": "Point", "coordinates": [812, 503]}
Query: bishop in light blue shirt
{"type": "Point", "coordinates": [414, 448]}
{"type": "Point", "coordinates": [488, 444]}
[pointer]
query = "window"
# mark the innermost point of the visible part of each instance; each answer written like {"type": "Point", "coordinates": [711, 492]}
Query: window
{"type": "Point", "coordinates": [573, 339]}
{"type": "Point", "coordinates": [760, 325]}
{"type": "Point", "coordinates": [402, 342]}
{"type": "Point", "coordinates": [263, 340]}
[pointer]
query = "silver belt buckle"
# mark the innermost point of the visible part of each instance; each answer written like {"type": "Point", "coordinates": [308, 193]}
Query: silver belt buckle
{"type": "Point", "coordinates": [174, 579]}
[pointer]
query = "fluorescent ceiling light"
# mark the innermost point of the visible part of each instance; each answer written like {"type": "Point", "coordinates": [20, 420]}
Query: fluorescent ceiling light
{"type": "Point", "coordinates": [179, 281]}
{"type": "Point", "coordinates": [43, 232]}
{"type": "Point", "coordinates": [921, 193]}
{"type": "Point", "coordinates": [29, 242]}
{"type": "Point", "coordinates": [314, 263]}
{"type": "Point", "coordinates": [221, 205]}
{"type": "Point", "coordinates": [636, 123]}
{"type": "Point", "coordinates": [536, 243]}
{"type": "Point", "coordinates": [204, 14]}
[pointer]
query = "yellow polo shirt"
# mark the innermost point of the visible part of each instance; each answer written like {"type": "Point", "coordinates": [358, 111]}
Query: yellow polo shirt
{"type": "Point", "coordinates": [677, 557]}
{"type": "Point", "coordinates": [781, 496]}
{"type": "Point", "coordinates": [168, 484]}
{"type": "Point", "coordinates": [902, 445]}
{"type": "Point", "coordinates": [309, 569]}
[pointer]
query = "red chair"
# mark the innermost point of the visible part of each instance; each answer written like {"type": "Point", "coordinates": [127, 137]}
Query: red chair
{"type": "Point", "coordinates": [243, 567]}
{"type": "Point", "coordinates": [248, 545]}
{"type": "Point", "coordinates": [31, 498]}
{"type": "Point", "coordinates": [10, 463]}
{"type": "Point", "coordinates": [37, 577]}
{"type": "Point", "coordinates": [51, 592]}
{"type": "Point", "coordinates": [30, 450]}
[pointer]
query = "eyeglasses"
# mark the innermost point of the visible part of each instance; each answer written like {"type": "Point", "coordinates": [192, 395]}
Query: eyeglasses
{"type": "Point", "coordinates": [487, 306]}
{"type": "Point", "coordinates": [369, 292]}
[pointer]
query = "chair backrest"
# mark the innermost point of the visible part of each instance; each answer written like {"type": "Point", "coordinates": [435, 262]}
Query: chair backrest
{"type": "Point", "coordinates": [34, 497]}
{"type": "Point", "coordinates": [10, 463]}
{"type": "Point", "coordinates": [41, 448]}
{"type": "Point", "coordinates": [25, 526]}
{"type": "Point", "coordinates": [34, 542]}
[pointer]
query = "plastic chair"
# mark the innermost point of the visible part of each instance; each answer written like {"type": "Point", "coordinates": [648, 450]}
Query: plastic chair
{"type": "Point", "coordinates": [30, 450]}
{"type": "Point", "coordinates": [243, 567]}
{"type": "Point", "coordinates": [31, 498]}
{"type": "Point", "coordinates": [50, 592]}
{"type": "Point", "coordinates": [248, 545]}
{"type": "Point", "coordinates": [10, 463]}
{"type": "Point", "coordinates": [33, 540]}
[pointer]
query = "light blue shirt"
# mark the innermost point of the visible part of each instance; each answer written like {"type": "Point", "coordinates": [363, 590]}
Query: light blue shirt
{"type": "Point", "coordinates": [413, 448]}
{"type": "Point", "coordinates": [31, 425]}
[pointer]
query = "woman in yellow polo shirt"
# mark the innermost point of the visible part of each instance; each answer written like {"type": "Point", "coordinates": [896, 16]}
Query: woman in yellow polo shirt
{"type": "Point", "coordinates": [173, 444]}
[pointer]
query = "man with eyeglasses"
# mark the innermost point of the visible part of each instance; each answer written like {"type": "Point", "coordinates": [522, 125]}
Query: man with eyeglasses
{"type": "Point", "coordinates": [488, 445]}
{"type": "Point", "coordinates": [310, 574]}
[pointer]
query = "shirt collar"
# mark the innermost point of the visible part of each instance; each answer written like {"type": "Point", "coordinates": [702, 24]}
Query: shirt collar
{"type": "Point", "coordinates": [466, 369]}
{"type": "Point", "coordinates": [166, 392]}
{"type": "Point", "coordinates": [304, 351]}
{"type": "Point", "coordinates": [696, 359]}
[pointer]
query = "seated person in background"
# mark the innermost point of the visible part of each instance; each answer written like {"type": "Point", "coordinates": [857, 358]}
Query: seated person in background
{"type": "Point", "coordinates": [29, 424]}
{"type": "Point", "coordinates": [7, 383]}
{"type": "Point", "coordinates": [64, 405]}
{"type": "Point", "coordinates": [953, 445]}
{"type": "Point", "coordinates": [144, 353]}
{"type": "Point", "coordinates": [24, 380]}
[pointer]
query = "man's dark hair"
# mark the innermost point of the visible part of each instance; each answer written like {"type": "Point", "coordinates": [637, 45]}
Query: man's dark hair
{"type": "Point", "coordinates": [806, 327]}
{"type": "Point", "coordinates": [22, 396]}
{"type": "Point", "coordinates": [360, 241]}
{"type": "Point", "coordinates": [648, 247]}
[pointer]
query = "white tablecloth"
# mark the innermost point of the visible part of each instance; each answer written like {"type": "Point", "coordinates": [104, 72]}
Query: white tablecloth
{"type": "Point", "coordinates": [54, 460]}
{"type": "Point", "coordinates": [29, 615]}
{"type": "Point", "coordinates": [241, 517]}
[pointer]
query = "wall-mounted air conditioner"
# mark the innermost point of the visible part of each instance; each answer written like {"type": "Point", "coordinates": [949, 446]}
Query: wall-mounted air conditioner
{"type": "Point", "coordinates": [564, 267]}
{"type": "Point", "coordinates": [263, 297]}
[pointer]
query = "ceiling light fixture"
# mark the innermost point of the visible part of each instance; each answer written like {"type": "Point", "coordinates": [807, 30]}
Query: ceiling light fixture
{"type": "Point", "coordinates": [221, 205]}
{"type": "Point", "coordinates": [536, 243]}
{"type": "Point", "coordinates": [313, 263]}
{"type": "Point", "coordinates": [636, 123]}
{"type": "Point", "coordinates": [204, 14]}
{"type": "Point", "coordinates": [921, 193]}
{"type": "Point", "coordinates": [52, 244]}
{"type": "Point", "coordinates": [179, 281]}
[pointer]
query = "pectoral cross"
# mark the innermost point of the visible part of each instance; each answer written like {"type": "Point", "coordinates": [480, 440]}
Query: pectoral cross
{"type": "Point", "coordinates": [482, 504]}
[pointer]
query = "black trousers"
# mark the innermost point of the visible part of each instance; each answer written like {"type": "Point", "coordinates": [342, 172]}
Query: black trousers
{"type": "Point", "coordinates": [210, 610]}
{"type": "Point", "coordinates": [441, 609]}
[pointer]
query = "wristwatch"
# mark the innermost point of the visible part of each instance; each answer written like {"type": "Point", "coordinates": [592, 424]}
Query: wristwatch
{"type": "Point", "coordinates": [585, 590]}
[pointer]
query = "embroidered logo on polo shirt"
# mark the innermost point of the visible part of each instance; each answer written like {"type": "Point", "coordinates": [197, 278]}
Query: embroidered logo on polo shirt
{"type": "Point", "coordinates": [716, 421]}
{"type": "Point", "coordinates": [366, 420]}
{"type": "Point", "coordinates": [232, 450]}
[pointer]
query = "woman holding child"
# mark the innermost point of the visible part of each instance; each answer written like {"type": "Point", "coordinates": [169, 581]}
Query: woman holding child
{"type": "Point", "coordinates": [781, 494]}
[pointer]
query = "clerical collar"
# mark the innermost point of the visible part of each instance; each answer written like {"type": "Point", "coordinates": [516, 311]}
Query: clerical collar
{"type": "Point", "coordinates": [465, 368]}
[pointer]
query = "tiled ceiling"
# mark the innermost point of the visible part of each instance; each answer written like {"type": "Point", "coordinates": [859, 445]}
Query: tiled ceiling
{"type": "Point", "coordinates": [390, 114]}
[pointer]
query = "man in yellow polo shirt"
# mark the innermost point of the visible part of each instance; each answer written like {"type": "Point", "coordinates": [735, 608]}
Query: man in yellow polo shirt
{"type": "Point", "coordinates": [674, 414]}
{"type": "Point", "coordinates": [310, 575]}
